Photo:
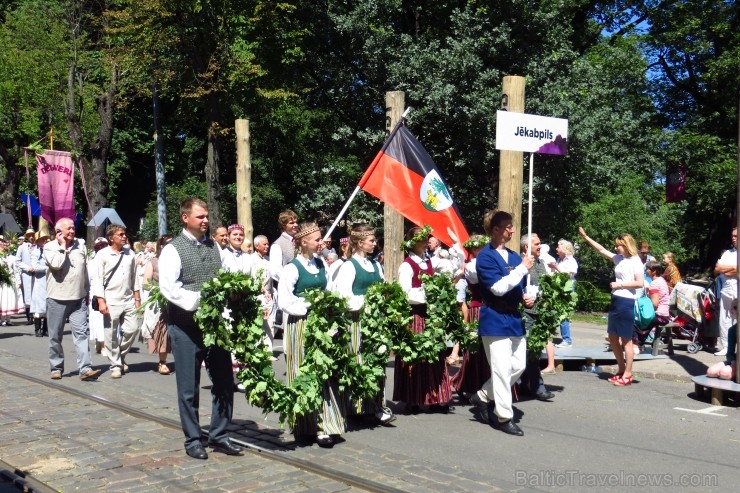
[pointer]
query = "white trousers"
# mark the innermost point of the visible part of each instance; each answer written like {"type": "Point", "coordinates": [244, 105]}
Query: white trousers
{"type": "Point", "coordinates": [726, 320]}
{"type": "Point", "coordinates": [508, 358]}
{"type": "Point", "coordinates": [121, 331]}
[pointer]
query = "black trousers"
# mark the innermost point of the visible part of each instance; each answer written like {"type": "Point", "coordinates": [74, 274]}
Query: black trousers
{"type": "Point", "coordinates": [189, 353]}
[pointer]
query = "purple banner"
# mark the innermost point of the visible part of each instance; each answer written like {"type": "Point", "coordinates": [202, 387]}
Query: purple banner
{"type": "Point", "coordinates": [56, 185]}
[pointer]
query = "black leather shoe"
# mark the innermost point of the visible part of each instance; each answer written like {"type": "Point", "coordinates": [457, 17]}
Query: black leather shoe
{"type": "Point", "coordinates": [485, 409]}
{"type": "Point", "coordinates": [510, 428]}
{"type": "Point", "coordinates": [325, 441]}
{"type": "Point", "coordinates": [226, 447]}
{"type": "Point", "coordinates": [544, 396]}
{"type": "Point", "coordinates": [197, 452]}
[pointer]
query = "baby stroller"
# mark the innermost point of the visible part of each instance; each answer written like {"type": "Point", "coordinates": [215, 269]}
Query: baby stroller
{"type": "Point", "coordinates": [697, 306]}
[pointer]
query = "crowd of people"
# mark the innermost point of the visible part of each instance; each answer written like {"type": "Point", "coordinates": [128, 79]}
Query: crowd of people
{"type": "Point", "coordinates": [101, 293]}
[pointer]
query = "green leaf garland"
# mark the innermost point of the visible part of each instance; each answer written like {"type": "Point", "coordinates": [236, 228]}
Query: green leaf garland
{"type": "Point", "coordinates": [555, 303]}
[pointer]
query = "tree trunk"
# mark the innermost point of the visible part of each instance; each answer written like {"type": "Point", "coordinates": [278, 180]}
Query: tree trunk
{"type": "Point", "coordinates": [95, 170]}
{"type": "Point", "coordinates": [97, 184]}
{"type": "Point", "coordinates": [159, 164]}
{"type": "Point", "coordinates": [214, 161]}
{"type": "Point", "coordinates": [10, 176]}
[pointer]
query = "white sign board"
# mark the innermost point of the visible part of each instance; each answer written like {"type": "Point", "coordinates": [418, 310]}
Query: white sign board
{"type": "Point", "coordinates": [531, 133]}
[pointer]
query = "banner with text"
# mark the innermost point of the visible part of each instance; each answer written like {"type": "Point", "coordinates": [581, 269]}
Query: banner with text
{"type": "Point", "coordinates": [531, 133]}
{"type": "Point", "coordinates": [56, 185]}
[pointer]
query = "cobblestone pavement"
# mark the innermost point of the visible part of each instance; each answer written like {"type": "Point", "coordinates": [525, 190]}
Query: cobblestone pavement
{"type": "Point", "coordinates": [74, 444]}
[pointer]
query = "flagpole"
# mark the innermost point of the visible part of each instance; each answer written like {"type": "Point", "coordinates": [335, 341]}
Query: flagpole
{"type": "Point", "coordinates": [357, 188]}
{"type": "Point", "coordinates": [529, 208]}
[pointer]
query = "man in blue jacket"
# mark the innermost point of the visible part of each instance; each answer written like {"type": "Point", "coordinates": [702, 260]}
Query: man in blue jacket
{"type": "Point", "coordinates": [502, 276]}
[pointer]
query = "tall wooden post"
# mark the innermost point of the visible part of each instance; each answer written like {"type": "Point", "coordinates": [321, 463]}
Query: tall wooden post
{"type": "Point", "coordinates": [511, 169]}
{"type": "Point", "coordinates": [244, 178]}
{"type": "Point", "coordinates": [392, 220]}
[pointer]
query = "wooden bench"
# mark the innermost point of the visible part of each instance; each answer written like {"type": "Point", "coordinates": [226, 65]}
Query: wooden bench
{"type": "Point", "coordinates": [718, 388]}
{"type": "Point", "coordinates": [667, 332]}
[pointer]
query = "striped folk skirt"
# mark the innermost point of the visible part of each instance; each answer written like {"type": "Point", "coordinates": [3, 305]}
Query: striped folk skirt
{"type": "Point", "coordinates": [422, 383]}
{"type": "Point", "coordinates": [330, 419]}
{"type": "Point", "coordinates": [359, 406]}
{"type": "Point", "coordinates": [474, 370]}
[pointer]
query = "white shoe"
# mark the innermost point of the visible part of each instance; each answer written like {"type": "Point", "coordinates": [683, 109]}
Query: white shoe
{"type": "Point", "coordinates": [564, 345]}
{"type": "Point", "coordinates": [115, 373]}
{"type": "Point", "coordinates": [721, 352]}
{"type": "Point", "coordinates": [636, 350]}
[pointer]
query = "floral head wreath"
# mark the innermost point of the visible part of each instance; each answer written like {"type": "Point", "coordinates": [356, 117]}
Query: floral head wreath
{"type": "Point", "coordinates": [422, 235]}
{"type": "Point", "coordinates": [306, 232]}
{"type": "Point", "coordinates": [476, 241]}
{"type": "Point", "coordinates": [236, 226]}
{"type": "Point", "coordinates": [362, 234]}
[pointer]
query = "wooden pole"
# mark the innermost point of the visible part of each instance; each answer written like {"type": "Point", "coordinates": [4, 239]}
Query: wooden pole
{"type": "Point", "coordinates": [511, 169]}
{"type": "Point", "coordinates": [392, 220]}
{"type": "Point", "coordinates": [244, 179]}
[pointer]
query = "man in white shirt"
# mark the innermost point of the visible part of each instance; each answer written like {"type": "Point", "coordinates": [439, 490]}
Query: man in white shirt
{"type": "Point", "coordinates": [185, 264]}
{"type": "Point", "coordinates": [727, 265]}
{"type": "Point", "coordinates": [116, 287]}
{"type": "Point", "coordinates": [66, 295]}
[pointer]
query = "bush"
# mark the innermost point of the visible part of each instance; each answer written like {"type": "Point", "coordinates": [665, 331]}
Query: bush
{"type": "Point", "coordinates": [591, 298]}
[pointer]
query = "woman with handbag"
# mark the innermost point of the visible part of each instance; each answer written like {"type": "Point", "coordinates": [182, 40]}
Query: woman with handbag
{"type": "Point", "coordinates": [629, 277]}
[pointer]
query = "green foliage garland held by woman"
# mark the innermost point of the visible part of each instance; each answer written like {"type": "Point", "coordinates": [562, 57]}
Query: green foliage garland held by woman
{"type": "Point", "coordinates": [556, 302]}
{"type": "Point", "coordinates": [230, 317]}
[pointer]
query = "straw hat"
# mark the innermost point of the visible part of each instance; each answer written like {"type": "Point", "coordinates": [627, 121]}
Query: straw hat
{"type": "Point", "coordinates": [39, 236]}
{"type": "Point", "coordinates": [29, 232]}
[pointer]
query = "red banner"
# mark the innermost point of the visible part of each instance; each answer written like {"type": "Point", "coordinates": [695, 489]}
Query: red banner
{"type": "Point", "coordinates": [56, 185]}
{"type": "Point", "coordinates": [675, 183]}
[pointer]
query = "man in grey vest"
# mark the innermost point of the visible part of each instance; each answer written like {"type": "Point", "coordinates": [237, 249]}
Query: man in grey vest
{"type": "Point", "coordinates": [282, 252]}
{"type": "Point", "coordinates": [185, 264]}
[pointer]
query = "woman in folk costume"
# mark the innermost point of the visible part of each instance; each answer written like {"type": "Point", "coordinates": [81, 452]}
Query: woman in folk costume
{"type": "Point", "coordinates": [424, 383]}
{"type": "Point", "coordinates": [38, 293]}
{"type": "Point", "coordinates": [11, 298]}
{"type": "Point", "coordinates": [353, 279]}
{"type": "Point", "coordinates": [474, 370]}
{"type": "Point", "coordinates": [307, 271]}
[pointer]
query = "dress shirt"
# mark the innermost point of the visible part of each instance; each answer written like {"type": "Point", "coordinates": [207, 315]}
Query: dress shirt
{"type": "Point", "coordinates": [287, 301]}
{"type": "Point", "coordinates": [416, 296]}
{"type": "Point", "coordinates": [346, 278]}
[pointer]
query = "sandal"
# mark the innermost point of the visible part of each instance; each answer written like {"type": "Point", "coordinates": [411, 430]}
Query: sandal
{"type": "Point", "coordinates": [163, 368]}
{"type": "Point", "coordinates": [616, 377]}
{"type": "Point", "coordinates": [623, 381]}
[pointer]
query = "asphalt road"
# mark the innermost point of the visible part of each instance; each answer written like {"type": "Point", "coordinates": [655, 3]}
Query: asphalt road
{"type": "Point", "coordinates": [653, 435]}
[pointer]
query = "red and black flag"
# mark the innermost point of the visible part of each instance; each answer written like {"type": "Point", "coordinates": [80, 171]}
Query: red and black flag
{"type": "Point", "coordinates": [404, 176]}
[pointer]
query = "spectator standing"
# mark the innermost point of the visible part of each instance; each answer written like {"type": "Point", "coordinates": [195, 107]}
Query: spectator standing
{"type": "Point", "coordinates": [185, 264]}
{"type": "Point", "coordinates": [567, 264]}
{"type": "Point", "coordinates": [117, 288]}
{"type": "Point", "coordinates": [261, 270]}
{"type": "Point", "coordinates": [629, 280]}
{"type": "Point", "coordinates": [727, 266]}
{"type": "Point", "coordinates": [66, 293]}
